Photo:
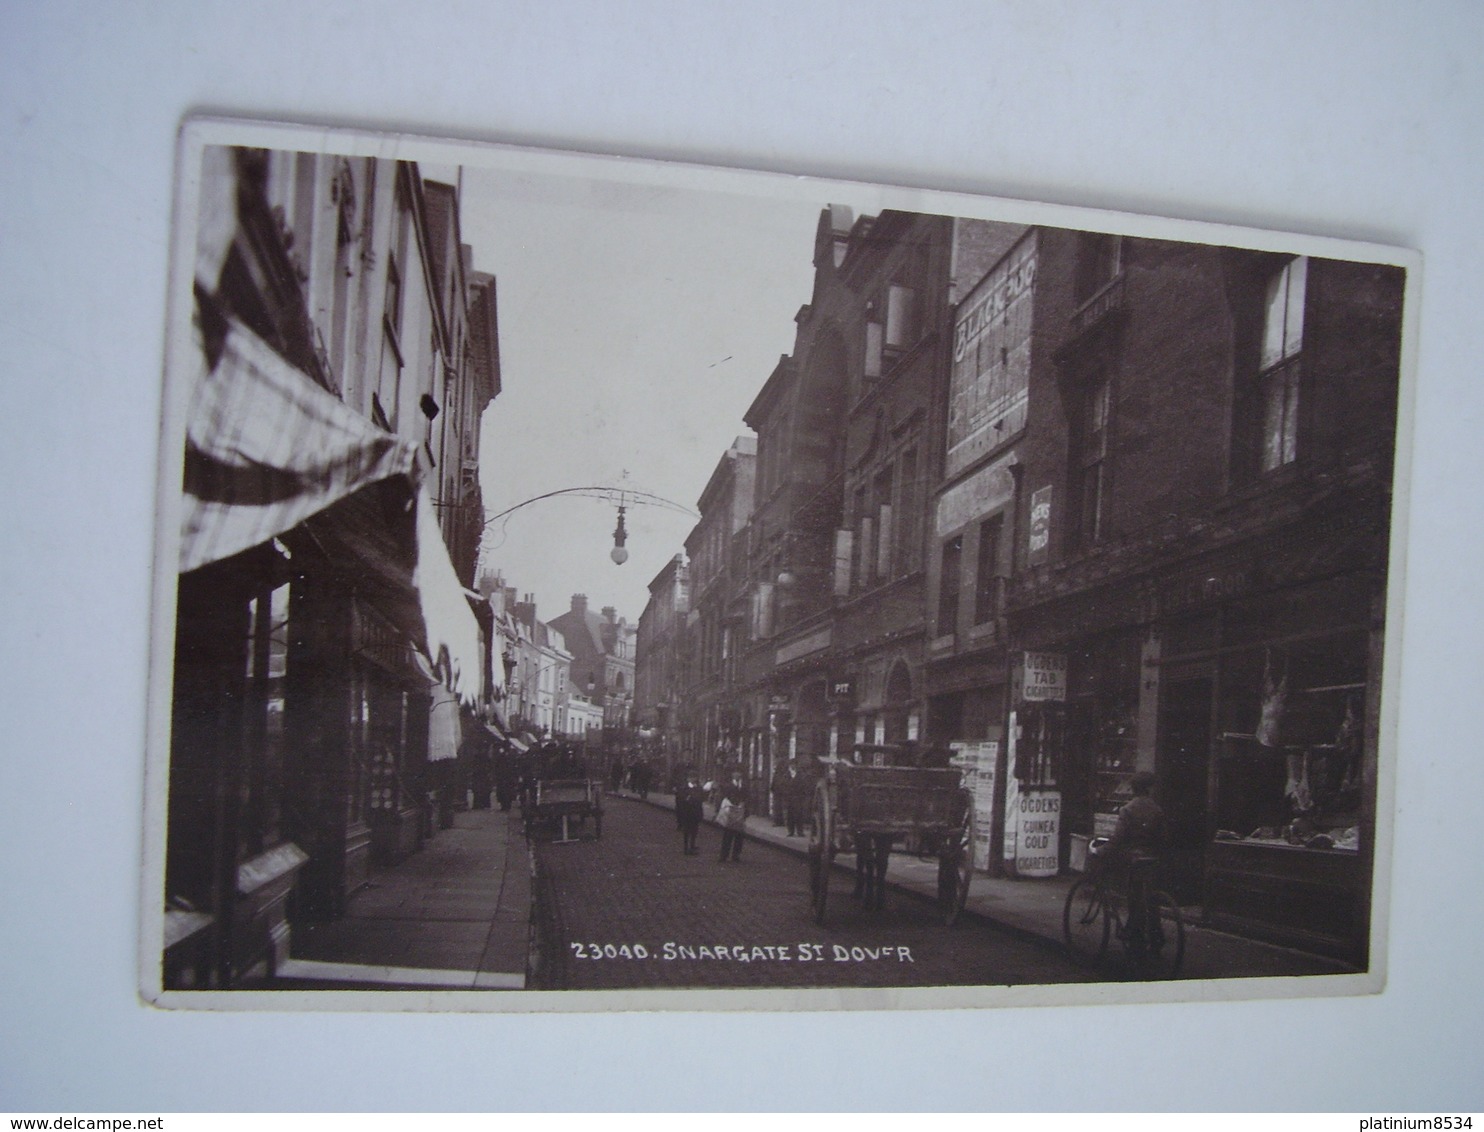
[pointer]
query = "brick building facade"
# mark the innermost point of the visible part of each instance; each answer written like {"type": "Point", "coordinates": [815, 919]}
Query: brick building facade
{"type": "Point", "coordinates": [1083, 504]}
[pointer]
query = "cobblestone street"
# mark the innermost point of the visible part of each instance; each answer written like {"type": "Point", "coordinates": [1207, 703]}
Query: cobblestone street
{"type": "Point", "coordinates": [631, 911]}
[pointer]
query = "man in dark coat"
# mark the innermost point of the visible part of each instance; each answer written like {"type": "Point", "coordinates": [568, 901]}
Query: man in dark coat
{"type": "Point", "coordinates": [688, 798]}
{"type": "Point", "coordinates": [791, 789]}
{"type": "Point", "coordinates": [1135, 849]}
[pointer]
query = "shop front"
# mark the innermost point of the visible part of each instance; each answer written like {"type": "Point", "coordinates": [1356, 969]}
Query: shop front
{"type": "Point", "coordinates": [310, 627]}
{"type": "Point", "coordinates": [1267, 662]}
{"type": "Point", "coordinates": [1104, 741]}
{"type": "Point", "coordinates": [1081, 719]}
{"type": "Point", "coordinates": [1293, 820]}
{"type": "Point", "coordinates": [966, 703]}
{"type": "Point", "coordinates": [1248, 681]}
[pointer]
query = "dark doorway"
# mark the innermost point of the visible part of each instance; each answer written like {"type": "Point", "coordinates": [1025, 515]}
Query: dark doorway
{"type": "Point", "coordinates": [1184, 758]}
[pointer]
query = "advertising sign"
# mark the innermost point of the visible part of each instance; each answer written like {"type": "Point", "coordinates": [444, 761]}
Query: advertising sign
{"type": "Point", "coordinates": [978, 761]}
{"type": "Point", "coordinates": [1038, 833]}
{"type": "Point", "coordinates": [988, 489]}
{"type": "Point", "coordinates": [1040, 534]}
{"type": "Point", "coordinates": [987, 395]}
{"type": "Point", "coordinates": [1045, 676]}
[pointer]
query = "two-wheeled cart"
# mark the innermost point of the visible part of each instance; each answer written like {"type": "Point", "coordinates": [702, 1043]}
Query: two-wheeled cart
{"type": "Point", "coordinates": [868, 809]}
{"type": "Point", "coordinates": [565, 804]}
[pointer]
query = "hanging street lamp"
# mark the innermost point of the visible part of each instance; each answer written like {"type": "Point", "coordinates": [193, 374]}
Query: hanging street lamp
{"type": "Point", "coordinates": [618, 553]}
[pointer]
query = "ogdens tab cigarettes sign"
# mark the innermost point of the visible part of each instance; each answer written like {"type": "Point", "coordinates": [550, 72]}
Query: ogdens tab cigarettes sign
{"type": "Point", "coordinates": [1045, 676]}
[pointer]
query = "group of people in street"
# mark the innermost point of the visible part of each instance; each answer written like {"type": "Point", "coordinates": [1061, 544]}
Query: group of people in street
{"type": "Point", "coordinates": [511, 774]}
{"type": "Point", "coordinates": [728, 794]}
{"type": "Point", "coordinates": [634, 773]}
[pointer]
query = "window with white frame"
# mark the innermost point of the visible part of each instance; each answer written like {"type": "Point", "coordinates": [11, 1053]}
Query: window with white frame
{"type": "Point", "coordinates": [902, 329]}
{"type": "Point", "coordinates": [872, 364]}
{"type": "Point", "coordinates": [1278, 366]}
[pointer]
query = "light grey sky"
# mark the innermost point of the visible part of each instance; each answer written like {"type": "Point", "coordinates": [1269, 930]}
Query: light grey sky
{"type": "Point", "coordinates": [637, 323]}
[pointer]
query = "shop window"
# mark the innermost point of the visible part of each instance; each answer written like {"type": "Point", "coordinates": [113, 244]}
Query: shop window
{"type": "Point", "coordinates": [1090, 462]}
{"type": "Point", "coordinates": [1040, 750]}
{"type": "Point", "coordinates": [948, 585]}
{"type": "Point", "coordinates": [384, 798]}
{"type": "Point", "coordinates": [987, 587]}
{"type": "Point", "coordinates": [1291, 767]}
{"type": "Point", "coordinates": [267, 664]}
{"type": "Point", "coordinates": [1279, 368]}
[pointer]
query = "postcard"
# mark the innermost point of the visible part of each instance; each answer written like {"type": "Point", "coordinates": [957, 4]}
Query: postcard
{"type": "Point", "coordinates": [586, 583]}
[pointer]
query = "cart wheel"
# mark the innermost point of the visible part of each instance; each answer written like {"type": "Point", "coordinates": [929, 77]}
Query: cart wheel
{"type": "Point", "coordinates": [821, 852]}
{"type": "Point", "coordinates": [956, 866]}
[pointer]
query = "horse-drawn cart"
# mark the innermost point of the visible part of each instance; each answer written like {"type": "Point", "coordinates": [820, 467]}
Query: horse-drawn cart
{"type": "Point", "coordinates": [867, 809]}
{"type": "Point", "coordinates": [565, 804]}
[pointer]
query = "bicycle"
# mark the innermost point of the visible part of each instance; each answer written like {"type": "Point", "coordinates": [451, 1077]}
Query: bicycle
{"type": "Point", "coordinates": [1095, 914]}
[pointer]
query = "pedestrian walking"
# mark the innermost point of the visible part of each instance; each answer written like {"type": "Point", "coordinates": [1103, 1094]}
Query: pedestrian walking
{"type": "Point", "coordinates": [680, 778]}
{"type": "Point", "coordinates": [507, 780]}
{"type": "Point", "coordinates": [731, 815]}
{"type": "Point", "coordinates": [688, 798]}
{"type": "Point", "coordinates": [793, 794]}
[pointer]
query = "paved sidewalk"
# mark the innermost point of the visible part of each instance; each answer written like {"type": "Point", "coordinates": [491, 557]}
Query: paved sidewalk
{"type": "Point", "coordinates": [455, 915]}
{"type": "Point", "coordinates": [1032, 908]}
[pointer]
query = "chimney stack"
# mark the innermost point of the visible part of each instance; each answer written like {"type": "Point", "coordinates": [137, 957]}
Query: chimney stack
{"type": "Point", "coordinates": [579, 603]}
{"type": "Point", "coordinates": [609, 613]}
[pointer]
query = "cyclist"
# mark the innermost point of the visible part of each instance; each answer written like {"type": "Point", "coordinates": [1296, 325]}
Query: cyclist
{"type": "Point", "coordinates": [1134, 852]}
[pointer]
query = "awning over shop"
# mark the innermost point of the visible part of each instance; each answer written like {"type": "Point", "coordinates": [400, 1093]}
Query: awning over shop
{"type": "Point", "coordinates": [444, 730]}
{"type": "Point", "coordinates": [268, 449]}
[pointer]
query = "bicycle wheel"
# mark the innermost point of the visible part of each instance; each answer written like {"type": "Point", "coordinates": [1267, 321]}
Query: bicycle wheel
{"type": "Point", "coordinates": [1165, 951]}
{"type": "Point", "coordinates": [1084, 921]}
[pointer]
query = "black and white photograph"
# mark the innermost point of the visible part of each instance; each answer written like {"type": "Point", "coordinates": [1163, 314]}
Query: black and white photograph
{"type": "Point", "coordinates": [790, 557]}
{"type": "Point", "coordinates": [587, 584]}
